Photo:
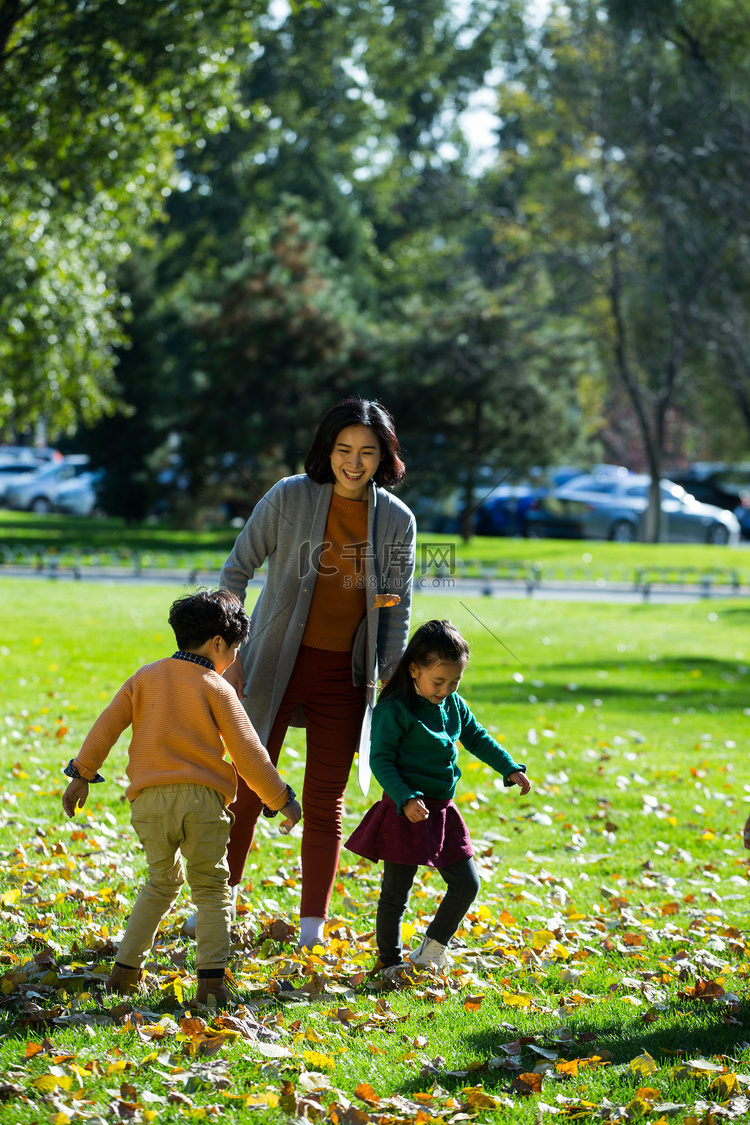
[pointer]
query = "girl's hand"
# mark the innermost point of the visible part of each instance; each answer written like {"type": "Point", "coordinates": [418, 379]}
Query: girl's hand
{"type": "Point", "coordinates": [521, 780]}
{"type": "Point", "coordinates": [293, 816]}
{"type": "Point", "coordinates": [235, 676]}
{"type": "Point", "coordinates": [415, 810]}
{"type": "Point", "coordinates": [75, 795]}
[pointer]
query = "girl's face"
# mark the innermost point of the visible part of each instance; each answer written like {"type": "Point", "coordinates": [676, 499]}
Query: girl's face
{"type": "Point", "coordinates": [355, 457]}
{"type": "Point", "coordinates": [437, 680]}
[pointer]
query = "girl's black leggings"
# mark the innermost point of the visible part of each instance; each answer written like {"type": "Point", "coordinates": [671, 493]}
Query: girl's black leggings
{"type": "Point", "coordinates": [462, 888]}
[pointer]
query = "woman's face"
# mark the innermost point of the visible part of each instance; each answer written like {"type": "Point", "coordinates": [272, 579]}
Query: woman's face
{"type": "Point", "coordinates": [355, 457]}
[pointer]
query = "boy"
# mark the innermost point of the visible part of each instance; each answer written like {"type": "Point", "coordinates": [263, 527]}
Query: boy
{"type": "Point", "coordinates": [180, 710]}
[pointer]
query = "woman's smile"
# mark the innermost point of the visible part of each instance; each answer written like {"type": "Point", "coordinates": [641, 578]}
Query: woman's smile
{"type": "Point", "coordinates": [355, 458]}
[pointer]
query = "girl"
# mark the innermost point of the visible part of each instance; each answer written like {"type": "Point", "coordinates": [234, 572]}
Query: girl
{"type": "Point", "coordinates": [415, 727]}
{"type": "Point", "coordinates": [335, 538]}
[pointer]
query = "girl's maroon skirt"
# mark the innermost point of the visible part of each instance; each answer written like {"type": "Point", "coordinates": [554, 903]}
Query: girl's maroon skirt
{"type": "Point", "coordinates": [441, 840]}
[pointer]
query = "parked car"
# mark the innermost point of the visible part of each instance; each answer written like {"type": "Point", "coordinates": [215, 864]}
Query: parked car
{"type": "Point", "coordinates": [30, 454]}
{"type": "Point", "coordinates": [38, 491]}
{"type": "Point", "coordinates": [613, 506]}
{"type": "Point", "coordinates": [726, 486]}
{"type": "Point", "coordinates": [13, 472]}
{"type": "Point", "coordinates": [503, 512]}
{"type": "Point", "coordinates": [78, 496]}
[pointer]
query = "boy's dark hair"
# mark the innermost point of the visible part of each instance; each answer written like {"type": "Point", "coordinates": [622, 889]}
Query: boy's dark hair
{"type": "Point", "coordinates": [433, 642]}
{"type": "Point", "coordinates": [355, 412]}
{"type": "Point", "coordinates": [196, 618]}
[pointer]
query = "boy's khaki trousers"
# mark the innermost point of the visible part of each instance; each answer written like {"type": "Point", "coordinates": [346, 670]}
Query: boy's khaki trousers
{"type": "Point", "coordinates": [174, 822]}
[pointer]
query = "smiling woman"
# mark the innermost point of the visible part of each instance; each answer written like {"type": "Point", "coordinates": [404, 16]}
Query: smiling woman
{"type": "Point", "coordinates": [332, 617]}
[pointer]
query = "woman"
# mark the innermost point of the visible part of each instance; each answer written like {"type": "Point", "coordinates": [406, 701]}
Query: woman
{"type": "Point", "coordinates": [334, 540]}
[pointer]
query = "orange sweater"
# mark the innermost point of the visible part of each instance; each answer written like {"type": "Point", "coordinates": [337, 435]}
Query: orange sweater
{"type": "Point", "coordinates": [180, 712]}
{"type": "Point", "coordinates": [339, 600]}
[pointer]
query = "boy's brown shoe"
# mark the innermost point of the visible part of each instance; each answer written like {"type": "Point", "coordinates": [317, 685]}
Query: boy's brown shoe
{"type": "Point", "coordinates": [212, 990]}
{"type": "Point", "coordinates": [126, 981]}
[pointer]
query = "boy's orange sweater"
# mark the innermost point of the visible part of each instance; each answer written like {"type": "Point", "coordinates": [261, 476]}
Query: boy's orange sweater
{"type": "Point", "coordinates": [180, 712]}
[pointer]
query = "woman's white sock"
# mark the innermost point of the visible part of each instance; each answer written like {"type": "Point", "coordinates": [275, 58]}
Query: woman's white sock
{"type": "Point", "coordinates": [311, 932]}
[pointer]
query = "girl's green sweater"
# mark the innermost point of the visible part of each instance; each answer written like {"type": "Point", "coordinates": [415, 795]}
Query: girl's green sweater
{"type": "Point", "coordinates": [413, 749]}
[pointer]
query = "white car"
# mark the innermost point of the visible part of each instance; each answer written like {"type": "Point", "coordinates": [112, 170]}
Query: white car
{"type": "Point", "coordinates": [37, 492]}
{"type": "Point", "coordinates": [14, 472]}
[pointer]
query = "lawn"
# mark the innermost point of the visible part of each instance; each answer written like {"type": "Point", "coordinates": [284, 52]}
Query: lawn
{"type": "Point", "coordinates": [601, 974]}
{"type": "Point", "coordinates": [65, 539]}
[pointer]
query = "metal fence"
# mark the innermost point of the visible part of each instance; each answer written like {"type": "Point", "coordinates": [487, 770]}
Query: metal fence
{"type": "Point", "coordinates": [195, 567]}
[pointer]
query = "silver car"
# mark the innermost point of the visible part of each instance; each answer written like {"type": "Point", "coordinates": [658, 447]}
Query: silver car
{"type": "Point", "coordinates": [78, 496]}
{"type": "Point", "coordinates": [613, 506]}
{"type": "Point", "coordinates": [37, 492]}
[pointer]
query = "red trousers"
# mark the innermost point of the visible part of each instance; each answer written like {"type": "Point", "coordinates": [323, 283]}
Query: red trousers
{"type": "Point", "coordinates": [334, 707]}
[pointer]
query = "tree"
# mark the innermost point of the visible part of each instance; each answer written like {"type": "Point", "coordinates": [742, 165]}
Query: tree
{"type": "Point", "coordinates": [626, 144]}
{"type": "Point", "coordinates": [95, 98]}
{"type": "Point", "coordinates": [132, 447]}
{"type": "Point", "coordinates": [280, 340]}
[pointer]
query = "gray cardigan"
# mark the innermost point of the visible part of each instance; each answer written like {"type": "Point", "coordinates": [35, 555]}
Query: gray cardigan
{"type": "Point", "coordinates": [287, 527]}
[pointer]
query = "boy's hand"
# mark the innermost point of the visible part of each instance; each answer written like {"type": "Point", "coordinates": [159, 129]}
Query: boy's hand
{"type": "Point", "coordinates": [521, 780]}
{"type": "Point", "coordinates": [293, 816]}
{"type": "Point", "coordinates": [75, 795]}
{"type": "Point", "coordinates": [416, 811]}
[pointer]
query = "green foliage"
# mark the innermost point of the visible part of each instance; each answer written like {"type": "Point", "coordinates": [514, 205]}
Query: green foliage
{"type": "Point", "coordinates": [94, 100]}
{"type": "Point", "coordinates": [131, 448]}
{"type": "Point", "coordinates": [279, 335]}
{"type": "Point", "coordinates": [624, 148]}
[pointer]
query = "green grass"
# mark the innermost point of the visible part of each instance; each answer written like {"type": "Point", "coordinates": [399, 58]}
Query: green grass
{"type": "Point", "coordinates": [107, 539]}
{"type": "Point", "coordinates": [607, 892]}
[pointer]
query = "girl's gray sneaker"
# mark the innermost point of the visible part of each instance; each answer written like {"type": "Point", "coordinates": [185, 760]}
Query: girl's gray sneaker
{"type": "Point", "coordinates": [430, 954]}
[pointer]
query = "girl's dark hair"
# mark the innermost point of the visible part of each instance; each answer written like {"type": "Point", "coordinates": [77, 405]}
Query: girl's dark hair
{"type": "Point", "coordinates": [433, 642]}
{"type": "Point", "coordinates": [355, 412]}
{"type": "Point", "coordinates": [200, 617]}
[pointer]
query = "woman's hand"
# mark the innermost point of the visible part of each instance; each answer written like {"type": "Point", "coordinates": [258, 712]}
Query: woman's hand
{"type": "Point", "coordinates": [521, 780]}
{"type": "Point", "coordinates": [235, 676]}
{"type": "Point", "coordinates": [75, 795]}
{"type": "Point", "coordinates": [415, 810]}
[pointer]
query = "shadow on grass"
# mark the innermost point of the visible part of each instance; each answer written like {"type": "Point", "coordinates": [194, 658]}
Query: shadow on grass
{"type": "Point", "coordinates": [682, 1033]}
{"type": "Point", "coordinates": [718, 683]}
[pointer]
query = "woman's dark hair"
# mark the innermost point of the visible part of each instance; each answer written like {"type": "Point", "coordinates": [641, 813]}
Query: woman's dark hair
{"type": "Point", "coordinates": [355, 412]}
{"type": "Point", "coordinates": [200, 617]}
{"type": "Point", "coordinates": [433, 642]}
